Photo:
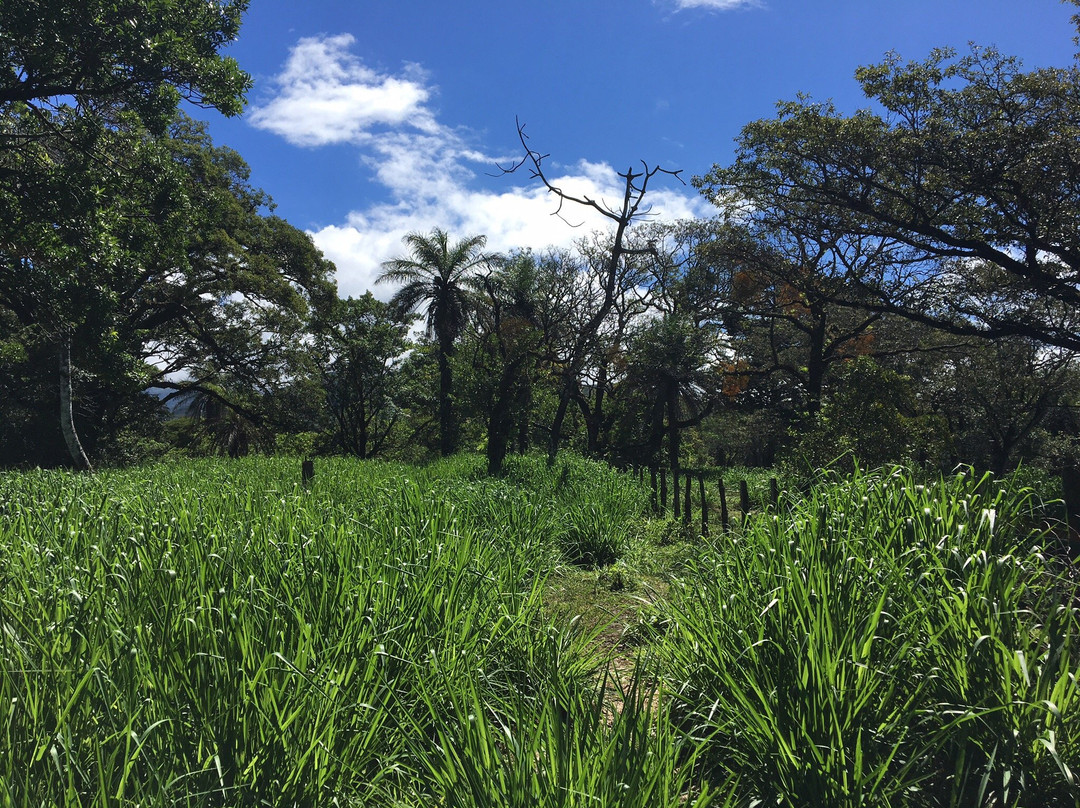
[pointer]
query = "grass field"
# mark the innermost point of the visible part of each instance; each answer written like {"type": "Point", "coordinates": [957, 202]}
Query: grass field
{"type": "Point", "coordinates": [215, 633]}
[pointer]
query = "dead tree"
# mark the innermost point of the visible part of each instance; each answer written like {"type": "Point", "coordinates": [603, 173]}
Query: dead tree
{"type": "Point", "coordinates": [635, 186]}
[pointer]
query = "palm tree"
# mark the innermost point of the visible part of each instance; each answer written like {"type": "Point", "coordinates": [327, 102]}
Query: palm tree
{"type": "Point", "coordinates": [434, 277]}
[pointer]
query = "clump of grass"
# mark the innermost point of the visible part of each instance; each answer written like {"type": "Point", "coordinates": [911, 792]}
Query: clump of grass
{"type": "Point", "coordinates": [256, 642]}
{"type": "Point", "coordinates": [590, 537]}
{"type": "Point", "coordinates": [882, 642]}
{"type": "Point", "coordinates": [557, 747]}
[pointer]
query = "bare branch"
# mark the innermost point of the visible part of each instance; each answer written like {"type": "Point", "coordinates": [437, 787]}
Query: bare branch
{"type": "Point", "coordinates": [635, 184]}
{"type": "Point", "coordinates": [623, 215]}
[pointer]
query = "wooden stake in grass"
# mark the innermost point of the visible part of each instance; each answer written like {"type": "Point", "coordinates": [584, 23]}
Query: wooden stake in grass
{"type": "Point", "coordinates": [774, 492]}
{"type": "Point", "coordinates": [744, 499]}
{"type": "Point", "coordinates": [663, 491]}
{"type": "Point", "coordinates": [723, 506]}
{"type": "Point", "coordinates": [688, 505]}
{"type": "Point", "coordinates": [704, 505]}
{"type": "Point", "coordinates": [307, 471]}
{"type": "Point", "coordinates": [652, 477]}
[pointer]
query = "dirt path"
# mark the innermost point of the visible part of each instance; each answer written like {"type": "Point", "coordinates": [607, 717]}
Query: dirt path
{"type": "Point", "coordinates": [609, 611]}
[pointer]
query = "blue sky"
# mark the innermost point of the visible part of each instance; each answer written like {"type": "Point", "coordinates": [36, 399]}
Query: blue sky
{"type": "Point", "coordinates": [372, 119]}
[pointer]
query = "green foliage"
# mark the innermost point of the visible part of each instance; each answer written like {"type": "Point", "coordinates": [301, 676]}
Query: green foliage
{"type": "Point", "coordinates": [872, 414]}
{"type": "Point", "coordinates": [557, 748]}
{"type": "Point", "coordinates": [1007, 400]}
{"type": "Point", "coordinates": [259, 641]}
{"type": "Point", "coordinates": [590, 539]}
{"type": "Point", "coordinates": [128, 236]}
{"type": "Point", "coordinates": [170, 267]}
{"type": "Point", "coordinates": [361, 353]}
{"type": "Point", "coordinates": [434, 277]}
{"type": "Point", "coordinates": [143, 55]}
{"type": "Point", "coordinates": [502, 352]}
{"type": "Point", "coordinates": [298, 444]}
{"type": "Point", "coordinates": [965, 164]}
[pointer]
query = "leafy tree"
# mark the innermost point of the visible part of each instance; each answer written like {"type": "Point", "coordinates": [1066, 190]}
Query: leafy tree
{"type": "Point", "coordinates": [967, 167]}
{"type": "Point", "coordinates": [673, 362]}
{"type": "Point", "coordinates": [434, 277]}
{"type": "Point", "coordinates": [140, 55]}
{"type": "Point", "coordinates": [998, 395]}
{"type": "Point", "coordinates": [363, 350]}
{"type": "Point", "coordinates": [80, 86]}
{"type": "Point", "coordinates": [62, 209]}
{"type": "Point", "coordinates": [221, 419]}
{"type": "Point", "coordinates": [580, 358]}
{"type": "Point", "coordinates": [505, 318]}
{"type": "Point", "coordinates": [163, 265]}
{"type": "Point", "coordinates": [871, 415]}
{"type": "Point", "coordinates": [686, 272]}
{"type": "Point", "coordinates": [786, 326]}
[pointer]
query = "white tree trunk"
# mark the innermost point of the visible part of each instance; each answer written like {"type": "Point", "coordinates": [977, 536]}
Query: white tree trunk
{"type": "Point", "coordinates": [67, 418]}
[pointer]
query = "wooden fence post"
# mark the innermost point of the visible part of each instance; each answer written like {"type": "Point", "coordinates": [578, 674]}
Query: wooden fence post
{"type": "Point", "coordinates": [652, 479]}
{"type": "Point", "coordinates": [704, 505]}
{"type": "Point", "coordinates": [307, 471]}
{"type": "Point", "coordinates": [688, 505]}
{"type": "Point", "coordinates": [723, 506]}
{"type": "Point", "coordinates": [774, 492]}
{"type": "Point", "coordinates": [663, 491]}
{"type": "Point", "coordinates": [744, 499]}
{"type": "Point", "coordinates": [676, 491]}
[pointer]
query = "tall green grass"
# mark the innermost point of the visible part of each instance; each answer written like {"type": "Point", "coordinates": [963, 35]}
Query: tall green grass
{"type": "Point", "coordinates": [882, 642]}
{"type": "Point", "coordinates": [215, 633]}
{"type": "Point", "coordinates": [236, 646]}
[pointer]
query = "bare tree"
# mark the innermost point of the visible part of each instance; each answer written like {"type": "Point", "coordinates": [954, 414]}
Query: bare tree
{"type": "Point", "coordinates": [632, 208]}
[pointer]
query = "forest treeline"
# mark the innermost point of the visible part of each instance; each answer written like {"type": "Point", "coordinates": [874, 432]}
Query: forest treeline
{"type": "Point", "coordinates": [898, 284]}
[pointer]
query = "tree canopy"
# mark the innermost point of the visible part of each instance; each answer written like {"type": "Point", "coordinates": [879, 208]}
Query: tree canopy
{"type": "Point", "coordinates": [164, 269]}
{"type": "Point", "coordinates": [966, 170]}
{"type": "Point", "coordinates": [138, 54]}
{"type": "Point", "coordinates": [838, 301]}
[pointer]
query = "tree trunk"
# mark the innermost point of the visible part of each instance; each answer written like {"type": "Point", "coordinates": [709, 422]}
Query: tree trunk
{"type": "Point", "coordinates": [555, 435]}
{"type": "Point", "coordinates": [524, 409]}
{"type": "Point", "coordinates": [596, 418]}
{"type": "Point", "coordinates": [500, 419]}
{"type": "Point", "coordinates": [362, 433]}
{"type": "Point", "coordinates": [815, 367]}
{"type": "Point", "coordinates": [672, 399]}
{"type": "Point", "coordinates": [447, 430]}
{"type": "Point", "coordinates": [67, 417]}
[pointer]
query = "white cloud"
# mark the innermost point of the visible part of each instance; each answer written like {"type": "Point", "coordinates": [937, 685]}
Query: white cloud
{"type": "Point", "coordinates": [326, 95]}
{"type": "Point", "coordinates": [428, 170]}
{"type": "Point", "coordinates": [514, 218]}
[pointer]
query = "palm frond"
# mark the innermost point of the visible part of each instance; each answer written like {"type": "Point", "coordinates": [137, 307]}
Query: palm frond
{"type": "Point", "coordinates": [402, 270]}
{"type": "Point", "coordinates": [436, 274]}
